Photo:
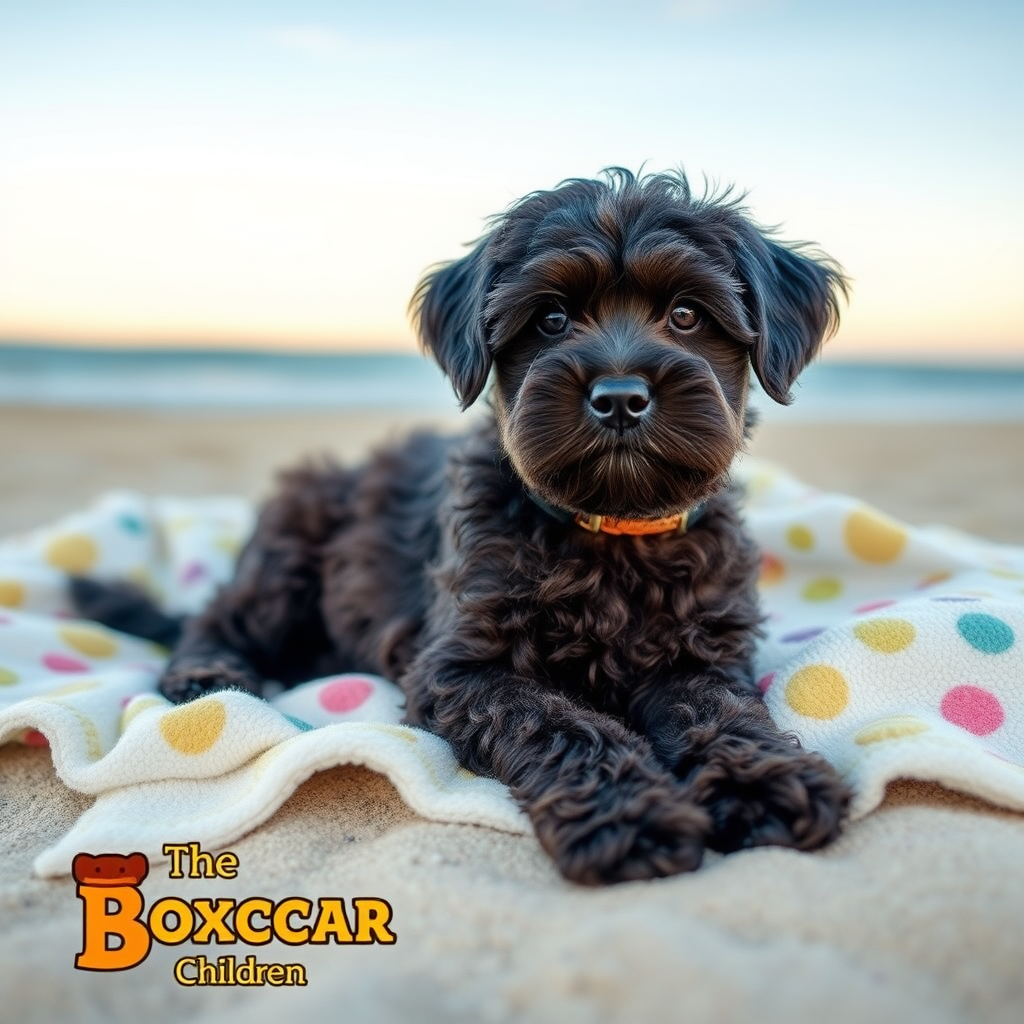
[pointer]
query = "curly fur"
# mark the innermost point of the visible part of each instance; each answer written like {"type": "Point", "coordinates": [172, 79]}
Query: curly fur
{"type": "Point", "coordinates": [605, 679]}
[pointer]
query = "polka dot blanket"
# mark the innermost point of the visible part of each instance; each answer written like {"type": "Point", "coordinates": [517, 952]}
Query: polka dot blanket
{"type": "Point", "coordinates": [896, 651]}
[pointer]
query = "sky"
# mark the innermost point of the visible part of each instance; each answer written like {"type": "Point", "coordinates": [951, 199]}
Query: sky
{"type": "Point", "coordinates": [280, 173]}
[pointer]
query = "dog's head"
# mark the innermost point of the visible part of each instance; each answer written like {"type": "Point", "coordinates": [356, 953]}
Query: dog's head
{"type": "Point", "coordinates": [621, 317]}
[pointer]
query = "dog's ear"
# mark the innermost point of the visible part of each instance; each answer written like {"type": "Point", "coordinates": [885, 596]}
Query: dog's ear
{"type": "Point", "coordinates": [448, 309]}
{"type": "Point", "coordinates": [792, 297]}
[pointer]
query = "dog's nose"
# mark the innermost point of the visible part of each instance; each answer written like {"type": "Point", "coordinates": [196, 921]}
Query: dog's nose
{"type": "Point", "coordinates": [620, 402]}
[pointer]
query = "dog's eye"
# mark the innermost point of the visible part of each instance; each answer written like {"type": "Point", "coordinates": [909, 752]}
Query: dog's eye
{"type": "Point", "coordinates": [685, 317]}
{"type": "Point", "coordinates": [553, 322]}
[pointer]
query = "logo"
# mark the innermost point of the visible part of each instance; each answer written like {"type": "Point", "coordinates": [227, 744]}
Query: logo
{"type": "Point", "coordinates": [118, 932]}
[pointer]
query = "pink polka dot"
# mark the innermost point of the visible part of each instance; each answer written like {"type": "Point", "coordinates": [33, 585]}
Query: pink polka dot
{"type": "Point", "coordinates": [34, 738]}
{"type": "Point", "coordinates": [192, 572]}
{"type": "Point", "coordinates": [766, 681]}
{"type": "Point", "coordinates": [972, 708]}
{"type": "Point", "coordinates": [345, 694]}
{"type": "Point", "coordinates": [5, 621]}
{"type": "Point", "coordinates": [872, 606]}
{"type": "Point", "coordinates": [64, 663]}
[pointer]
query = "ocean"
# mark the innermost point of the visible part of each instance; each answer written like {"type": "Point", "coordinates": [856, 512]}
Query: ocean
{"type": "Point", "coordinates": [251, 381]}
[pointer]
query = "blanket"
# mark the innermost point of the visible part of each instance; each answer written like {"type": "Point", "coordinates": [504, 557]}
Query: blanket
{"type": "Point", "coordinates": [894, 650]}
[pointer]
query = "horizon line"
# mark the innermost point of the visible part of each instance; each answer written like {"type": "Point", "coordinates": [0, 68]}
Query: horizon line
{"type": "Point", "coordinates": [984, 358]}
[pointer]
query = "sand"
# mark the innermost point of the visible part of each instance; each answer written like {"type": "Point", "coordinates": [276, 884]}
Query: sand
{"type": "Point", "coordinates": [914, 915]}
{"type": "Point", "coordinates": [52, 461]}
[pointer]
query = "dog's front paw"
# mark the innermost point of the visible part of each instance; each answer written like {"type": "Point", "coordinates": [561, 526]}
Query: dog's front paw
{"type": "Point", "coordinates": [183, 682]}
{"type": "Point", "coordinates": [762, 794]}
{"type": "Point", "coordinates": [636, 826]}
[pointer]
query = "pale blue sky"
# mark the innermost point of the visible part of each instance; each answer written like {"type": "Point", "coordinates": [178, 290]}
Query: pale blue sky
{"type": "Point", "coordinates": [276, 172]}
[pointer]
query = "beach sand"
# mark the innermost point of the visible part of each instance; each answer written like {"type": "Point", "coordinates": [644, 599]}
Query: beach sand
{"type": "Point", "coordinates": [967, 475]}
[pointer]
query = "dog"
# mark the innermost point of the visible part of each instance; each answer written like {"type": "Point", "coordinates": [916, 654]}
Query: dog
{"type": "Point", "coordinates": [566, 593]}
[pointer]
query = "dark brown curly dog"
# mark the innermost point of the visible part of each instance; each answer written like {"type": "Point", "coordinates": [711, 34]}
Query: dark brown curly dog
{"type": "Point", "coordinates": [567, 594]}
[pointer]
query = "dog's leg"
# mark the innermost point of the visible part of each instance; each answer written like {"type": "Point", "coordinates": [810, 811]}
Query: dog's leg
{"type": "Point", "coordinates": [204, 662]}
{"type": "Point", "coordinates": [601, 804]}
{"type": "Point", "coordinates": [759, 786]}
{"type": "Point", "coordinates": [267, 622]}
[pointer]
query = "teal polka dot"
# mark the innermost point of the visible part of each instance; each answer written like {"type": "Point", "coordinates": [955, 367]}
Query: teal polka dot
{"type": "Point", "coordinates": [131, 524]}
{"type": "Point", "coordinates": [299, 723]}
{"type": "Point", "coordinates": [985, 633]}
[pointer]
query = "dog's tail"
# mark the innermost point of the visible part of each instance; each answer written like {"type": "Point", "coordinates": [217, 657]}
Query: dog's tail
{"type": "Point", "coordinates": [124, 607]}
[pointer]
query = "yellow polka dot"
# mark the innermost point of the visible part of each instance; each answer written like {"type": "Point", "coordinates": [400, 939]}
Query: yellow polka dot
{"type": "Point", "coordinates": [70, 688]}
{"type": "Point", "coordinates": [760, 483]}
{"type": "Point", "coordinates": [195, 727]}
{"type": "Point", "coordinates": [1003, 574]}
{"type": "Point", "coordinates": [72, 552]}
{"type": "Point", "coordinates": [772, 570]}
{"type": "Point", "coordinates": [934, 577]}
{"type": "Point", "coordinates": [465, 773]}
{"type": "Point", "coordinates": [887, 636]}
{"type": "Point", "coordinates": [12, 593]}
{"type": "Point", "coordinates": [229, 545]}
{"type": "Point", "coordinates": [822, 589]}
{"type": "Point", "coordinates": [890, 729]}
{"type": "Point", "coordinates": [136, 708]}
{"type": "Point", "coordinates": [7, 677]}
{"type": "Point", "coordinates": [874, 538]}
{"type": "Point", "coordinates": [800, 537]}
{"type": "Point", "coordinates": [818, 691]}
{"type": "Point", "coordinates": [140, 575]}
{"type": "Point", "coordinates": [88, 640]}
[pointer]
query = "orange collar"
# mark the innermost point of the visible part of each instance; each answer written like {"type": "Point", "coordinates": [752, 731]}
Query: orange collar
{"type": "Point", "coordinates": [677, 524]}
{"type": "Point", "coordinates": [635, 527]}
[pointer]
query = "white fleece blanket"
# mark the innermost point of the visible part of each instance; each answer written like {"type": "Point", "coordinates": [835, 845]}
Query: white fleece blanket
{"type": "Point", "coordinates": [896, 651]}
